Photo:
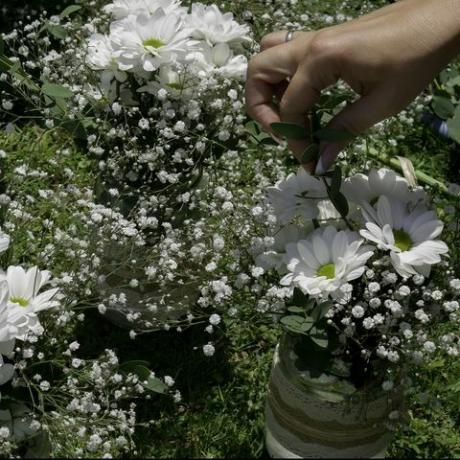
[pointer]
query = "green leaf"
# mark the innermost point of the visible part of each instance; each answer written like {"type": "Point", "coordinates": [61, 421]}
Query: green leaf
{"type": "Point", "coordinates": [267, 140]}
{"type": "Point", "coordinates": [70, 10]}
{"type": "Point", "coordinates": [333, 135]}
{"type": "Point", "coordinates": [311, 154]}
{"type": "Point", "coordinates": [140, 369]}
{"type": "Point", "coordinates": [290, 130]}
{"type": "Point", "coordinates": [320, 311]}
{"type": "Point", "coordinates": [340, 203]}
{"type": "Point", "coordinates": [443, 107]}
{"type": "Point", "coordinates": [299, 299]}
{"type": "Point", "coordinates": [454, 128]}
{"type": "Point", "coordinates": [14, 68]}
{"type": "Point", "coordinates": [252, 128]}
{"type": "Point", "coordinates": [56, 91]}
{"type": "Point", "coordinates": [295, 309]}
{"type": "Point", "coordinates": [129, 365]}
{"type": "Point", "coordinates": [297, 324]}
{"type": "Point", "coordinates": [320, 339]}
{"type": "Point", "coordinates": [56, 31]}
{"type": "Point", "coordinates": [39, 446]}
{"type": "Point", "coordinates": [336, 182]}
{"type": "Point", "coordinates": [156, 385]}
{"type": "Point", "coordinates": [2, 46]}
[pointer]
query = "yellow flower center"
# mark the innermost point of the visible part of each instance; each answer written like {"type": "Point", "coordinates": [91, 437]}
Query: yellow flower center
{"type": "Point", "coordinates": [327, 270]}
{"type": "Point", "coordinates": [153, 43]}
{"type": "Point", "coordinates": [20, 301]}
{"type": "Point", "coordinates": [403, 240]}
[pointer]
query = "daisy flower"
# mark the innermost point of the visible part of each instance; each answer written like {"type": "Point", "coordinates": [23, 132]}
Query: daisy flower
{"type": "Point", "coordinates": [100, 57]}
{"type": "Point", "coordinates": [368, 188]}
{"type": "Point", "coordinates": [409, 235]}
{"type": "Point", "coordinates": [4, 242]}
{"type": "Point", "coordinates": [148, 42]}
{"type": "Point", "coordinates": [297, 195]}
{"type": "Point", "coordinates": [210, 24]}
{"type": "Point", "coordinates": [219, 59]}
{"type": "Point", "coordinates": [328, 259]}
{"type": "Point", "coordinates": [24, 301]}
{"type": "Point", "coordinates": [274, 258]}
{"type": "Point", "coordinates": [123, 8]}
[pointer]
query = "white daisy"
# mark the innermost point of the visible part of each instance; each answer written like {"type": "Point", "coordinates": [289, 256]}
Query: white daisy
{"type": "Point", "coordinates": [100, 57]}
{"type": "Point", "coordinates": [24, 301]}
{"type": "Point", "coordinates": [218, 59]}
{"type": "Point", "coordinates": [368, 188]}
{"type": "Point", "coordinates": [297, 195]}
{"type": "Point", "coordinates": [409, 235]}
{"type": "Point", "coordinates": [123, 8]}
{"type": "Point", "coordinates": [210, 24]}
{"type": "Point", "coordinates": [274, 258]}
{"type": "Point", "coordinates": [148, 42]}
{"type": "Point", "coordinates": [324, 262]}
{"type": "Point", "coordinates": [4, 242]}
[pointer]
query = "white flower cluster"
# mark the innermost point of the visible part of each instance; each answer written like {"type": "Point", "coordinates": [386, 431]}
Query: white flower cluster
{"type": "Point", "coordinates": [381, 266]}
{"type": "Point", "coordinates": [385, 211]}
{"type": "Point", "coordinates": [160, 36]}
{"type": "Point", "coordinates": [163, 84]}
{"type": "Point", "coordinates": [20, 303]}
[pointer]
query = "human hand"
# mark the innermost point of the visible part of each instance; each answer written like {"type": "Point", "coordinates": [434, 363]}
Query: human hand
{"type": "Point", "coordinates": [387, 57]}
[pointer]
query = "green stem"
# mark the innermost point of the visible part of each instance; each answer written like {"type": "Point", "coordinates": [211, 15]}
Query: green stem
{"type": "Point", "coordinates": [394, 163]}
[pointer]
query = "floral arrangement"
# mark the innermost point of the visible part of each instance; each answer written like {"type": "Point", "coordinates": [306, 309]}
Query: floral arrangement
{"type": "Point", "coordinates": [147, 209]}
{"type": "Point", "coordinates": [364, 285]}
{"type": "Point", "coordinates": [154, 90]}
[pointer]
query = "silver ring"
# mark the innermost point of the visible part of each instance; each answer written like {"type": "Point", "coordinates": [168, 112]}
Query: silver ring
{"type": "Point", "coordinates": [289, 36]}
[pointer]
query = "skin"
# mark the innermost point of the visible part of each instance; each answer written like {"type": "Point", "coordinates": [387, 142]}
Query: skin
{"type": "Point", "coordinates": [388, 57]}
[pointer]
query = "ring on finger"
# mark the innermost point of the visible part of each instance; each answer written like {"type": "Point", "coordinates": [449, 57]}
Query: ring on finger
{"type": "Point", "coordinates": [289, 36]}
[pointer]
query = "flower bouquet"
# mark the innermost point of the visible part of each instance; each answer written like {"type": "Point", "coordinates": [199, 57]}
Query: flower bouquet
{"type": "Point", "coordinates": [364, 274]}
{"type": "Point", "coordinates": [153, 91]}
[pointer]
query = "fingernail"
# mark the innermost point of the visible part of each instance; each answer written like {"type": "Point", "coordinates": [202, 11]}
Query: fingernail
{"type": "Point", "coordinates": [319, 171]}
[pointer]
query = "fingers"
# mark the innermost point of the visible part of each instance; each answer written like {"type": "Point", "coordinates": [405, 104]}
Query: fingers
{"type": "Point", "coordinates": [265, 72]}
{"type": "Point", "coordinates": [356, 118]}
{"type": "Point", "coordinates": [301, 95]}
{"type": "Point", "coordinates": [279, 37]}
{"type": "Point", "coordinates": [273, 39]}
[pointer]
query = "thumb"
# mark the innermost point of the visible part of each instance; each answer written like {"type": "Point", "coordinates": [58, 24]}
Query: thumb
{"type": "Point", "coordinates": [355, 119]}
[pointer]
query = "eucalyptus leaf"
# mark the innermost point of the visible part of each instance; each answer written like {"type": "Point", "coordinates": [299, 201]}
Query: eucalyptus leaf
{"type": "Point", "coordinates": [454, 128]}
{"type": "Point", "coordinates": [333, 135]}
{"type": "Point", "coordinates": [267, 140]}
{"type": "Point", "coordinates": [336, 182]}
{"type": "Point", "coordinates": [297, 324]}
{"type": "Point", "coordinates": [252, 128]}
{"type": "Point", "coordinates": [70, 10]}
{"type": "Point", "coordinates": [296, 310]}
{"type": "Point", "coordinates": [290, 130]}
{"type": "Point", "coordinates": [56, 91]}
{"type": "Point", "coordinates": [340, 203]}
{"type": "Point", "coordinates": [39, 446]}
{"type": "Point", "coordinates": [443, 107]}
{"type": "Point", "coordinates": [320, 340]}
{"type": "Point", "coordinates": [140, 369]}
{"type": "Point", "coordinates": [56, 31]}
{"type": "Point", "coordinates": [320, 311]}
{"type": "Point", "coordinates": [311, 154]}
{"type": "Point", "coordinates": [156, 385]}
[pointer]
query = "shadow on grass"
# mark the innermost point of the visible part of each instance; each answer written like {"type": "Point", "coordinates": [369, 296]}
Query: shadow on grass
{"type": "Point", "coordinates": [222, 409]}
